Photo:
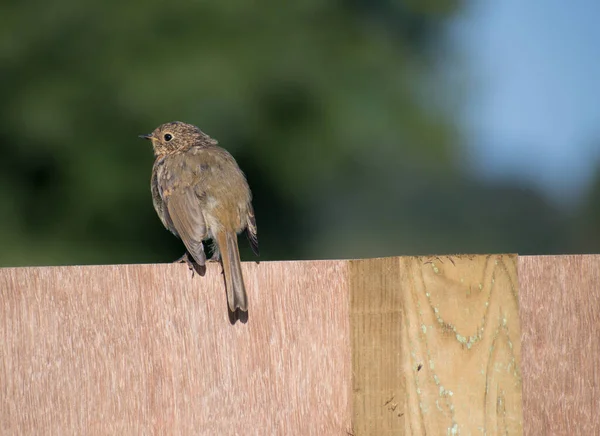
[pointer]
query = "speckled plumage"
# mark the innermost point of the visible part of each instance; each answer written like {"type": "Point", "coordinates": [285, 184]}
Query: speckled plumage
{"type": "Point", "coordinates": [199, 192]}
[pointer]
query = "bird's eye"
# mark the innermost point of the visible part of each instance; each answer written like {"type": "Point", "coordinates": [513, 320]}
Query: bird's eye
{"type": "Point", "coordinates": [168, 137]}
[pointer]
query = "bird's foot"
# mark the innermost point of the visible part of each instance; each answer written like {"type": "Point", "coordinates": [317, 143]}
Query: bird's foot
{"type": "Point", "coordinates": [192, 264]}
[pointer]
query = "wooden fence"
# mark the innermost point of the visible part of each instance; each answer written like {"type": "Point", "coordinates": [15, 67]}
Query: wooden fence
{"type": "Point", "coordinates": [448, 345]}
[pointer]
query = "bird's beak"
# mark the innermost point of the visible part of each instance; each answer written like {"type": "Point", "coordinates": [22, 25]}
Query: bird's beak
{"type": "Point", "coordinates": [148, 136]}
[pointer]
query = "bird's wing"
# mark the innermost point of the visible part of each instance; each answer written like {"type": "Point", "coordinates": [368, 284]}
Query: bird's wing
{"type": "Point", "coordinates": [184, 200]}
{"type": "Point", "coordinates": [251, 230]}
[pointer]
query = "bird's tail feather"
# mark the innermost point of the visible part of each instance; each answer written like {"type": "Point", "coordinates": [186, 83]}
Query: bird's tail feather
{"type": "Point", "coordinates": [232, 269]}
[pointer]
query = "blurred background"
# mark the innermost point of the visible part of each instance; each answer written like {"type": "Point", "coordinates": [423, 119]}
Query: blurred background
{"type": "Point", "coordinates": [365, 127]}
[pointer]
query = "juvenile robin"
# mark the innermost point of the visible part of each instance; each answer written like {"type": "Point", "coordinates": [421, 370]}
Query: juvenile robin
{"type": "Point", "coordinates": [200, 193]}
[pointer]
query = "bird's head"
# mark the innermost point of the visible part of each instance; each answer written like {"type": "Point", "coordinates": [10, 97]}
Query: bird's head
{"type": "Point", "coordinates": [174, 136]}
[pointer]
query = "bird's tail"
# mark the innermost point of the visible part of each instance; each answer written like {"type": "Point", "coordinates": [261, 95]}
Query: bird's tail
{"type": "Point", "coordinates": [232, 269]}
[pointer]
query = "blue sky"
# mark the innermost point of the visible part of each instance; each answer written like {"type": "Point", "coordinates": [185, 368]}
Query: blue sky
{"type": "Point", "coordinates": [533, 112]}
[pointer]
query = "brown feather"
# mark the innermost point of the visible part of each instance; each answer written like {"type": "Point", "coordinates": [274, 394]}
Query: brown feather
{"type": "Point", "coordinates": [232, 270]}
{"type": "Point", "coordinates": [251, 230]}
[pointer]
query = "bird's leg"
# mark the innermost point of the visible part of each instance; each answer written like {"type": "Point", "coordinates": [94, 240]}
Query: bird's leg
{"type": "Point", "coordinates": [199, 268]}
{"type": "Point", "coordinates": [216, 257]}
{"type": "Point", "coordinates": [216, 254]}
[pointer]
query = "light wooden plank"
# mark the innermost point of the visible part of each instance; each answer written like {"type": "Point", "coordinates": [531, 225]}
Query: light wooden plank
{"type": "Point", "coordinates": [376, 322]}
{"type": "Point", "coordinates": [436, 346]}
{"type": "Point", "coordinates": [462, 353]}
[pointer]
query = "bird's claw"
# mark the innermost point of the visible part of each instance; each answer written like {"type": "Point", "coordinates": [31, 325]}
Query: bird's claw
{"type": "Point", "coordinates": [192, 265]}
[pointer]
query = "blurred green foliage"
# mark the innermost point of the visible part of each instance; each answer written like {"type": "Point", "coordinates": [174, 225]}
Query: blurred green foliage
{"type": "Point", "coordinates": [334, 110]}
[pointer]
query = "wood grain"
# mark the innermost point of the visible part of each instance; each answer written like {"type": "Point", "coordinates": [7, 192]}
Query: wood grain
{"type": "Point", "coordinates": [560, 318]}
{"type": "Point", "coordinates": [462, 345]}
{"type": "Point", "coordinates": [145, 349]}
{"type": "Point", "coordinates": [436, 346]}
{"type": "Point", "coordinates": [376, 321]}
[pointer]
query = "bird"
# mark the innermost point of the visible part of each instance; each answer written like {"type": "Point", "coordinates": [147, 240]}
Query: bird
{"type": "Point", "coordinates": [200, 193]}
